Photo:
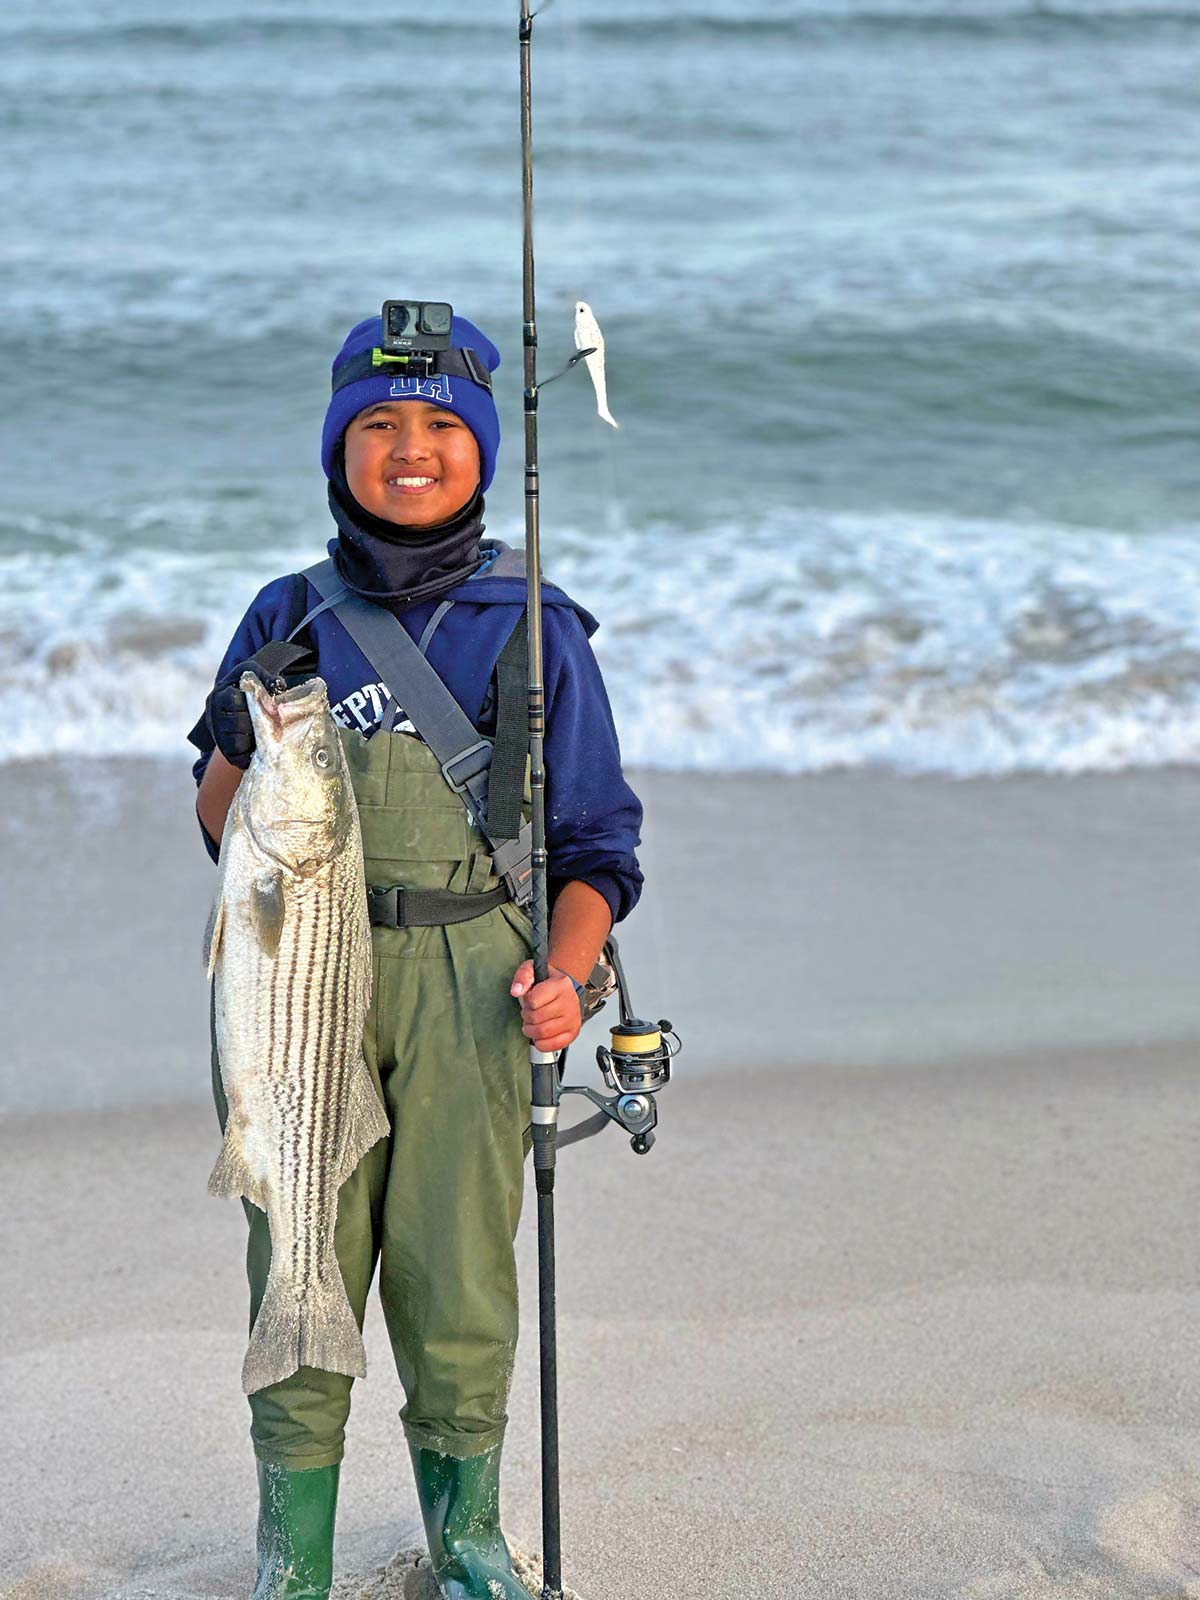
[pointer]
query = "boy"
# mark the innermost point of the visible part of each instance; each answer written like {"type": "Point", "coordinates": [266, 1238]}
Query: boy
{"type": "Point", "coordinates": [408, 460]}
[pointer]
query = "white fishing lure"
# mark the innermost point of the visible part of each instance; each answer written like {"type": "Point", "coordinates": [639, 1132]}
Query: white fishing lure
{"type": "Point", "coordinates": [589, 337]}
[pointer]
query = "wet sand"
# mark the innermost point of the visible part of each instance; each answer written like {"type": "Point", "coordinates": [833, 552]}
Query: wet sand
{"type": "Point", "coordinates": [847, 918]}
{"type": "Point", "coordinates": [906, 1322]}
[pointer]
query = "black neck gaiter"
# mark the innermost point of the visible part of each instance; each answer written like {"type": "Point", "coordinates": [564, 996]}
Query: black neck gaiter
{"type": "Point", "coordinates": [391, 564]}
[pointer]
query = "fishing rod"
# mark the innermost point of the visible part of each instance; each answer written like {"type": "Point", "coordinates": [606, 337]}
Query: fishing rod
{"type": "Point", "coordinates": [543, 1063]}
{"type": "Point", "coordinates": [638, 1062]}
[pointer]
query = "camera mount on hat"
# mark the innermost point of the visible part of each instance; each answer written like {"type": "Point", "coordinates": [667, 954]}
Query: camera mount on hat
{"type": "Point", "coordinates": [415, 344]}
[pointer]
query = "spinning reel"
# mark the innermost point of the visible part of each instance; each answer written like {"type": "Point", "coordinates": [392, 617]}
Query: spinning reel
{"type": "Point", "coordinates": [635, 1065]}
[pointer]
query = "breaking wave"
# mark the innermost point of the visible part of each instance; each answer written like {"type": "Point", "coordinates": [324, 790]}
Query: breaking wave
{"type": "Point", "coordinates": [804, 643]}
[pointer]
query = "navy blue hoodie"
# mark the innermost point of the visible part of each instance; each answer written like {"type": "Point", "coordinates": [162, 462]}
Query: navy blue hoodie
{"type": "Point", "coordinates": [593, 817]}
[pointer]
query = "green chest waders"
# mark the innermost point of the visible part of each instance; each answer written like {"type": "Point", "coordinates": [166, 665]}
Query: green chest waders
{"type": "Point", "coordinates": [437, 1204]}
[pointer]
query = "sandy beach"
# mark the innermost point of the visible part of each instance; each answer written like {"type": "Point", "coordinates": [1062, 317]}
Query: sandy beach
{"type": "Point", "coordinates": [902, 1304]}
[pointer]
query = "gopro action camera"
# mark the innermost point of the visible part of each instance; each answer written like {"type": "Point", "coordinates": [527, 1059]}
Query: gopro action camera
{"type": "Point", "coordinates": [415, 325]}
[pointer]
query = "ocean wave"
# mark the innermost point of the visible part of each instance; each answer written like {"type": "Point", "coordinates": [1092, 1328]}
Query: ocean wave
{"type": "Point", "coordinates": [835, 24]}
{"type": "Point", "coordinates": [245, 338]}
{"type": "Point", "coordinates": [799, 644]}
{"type": "Point", "coordinates": [233, 30]}
{"type": "Point", "coordinates": [913, 643]}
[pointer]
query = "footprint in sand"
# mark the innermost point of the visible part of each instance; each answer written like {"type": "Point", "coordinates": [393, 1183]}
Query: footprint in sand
{"type": "Point", "coordinates": [1143, 1547]}
{"type": "Point", "coordinates": [409, 1576]}
{"type": "Point", "coordinates": [1157, 1535]}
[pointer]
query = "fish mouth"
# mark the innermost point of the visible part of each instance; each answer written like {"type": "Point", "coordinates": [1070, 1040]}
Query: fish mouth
{"type": "Point", "coordinates": [289, 705]}
{"type": "Point", "coordinates": [301, 691]}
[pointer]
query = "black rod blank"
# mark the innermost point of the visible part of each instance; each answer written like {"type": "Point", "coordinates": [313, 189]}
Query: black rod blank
{"type": "Point", "coordinates": [543, 1064]}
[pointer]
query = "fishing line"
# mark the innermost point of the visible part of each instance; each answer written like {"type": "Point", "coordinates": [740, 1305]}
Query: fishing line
{"type": "Point", "coordinates": [575, 81]}
{"type": "Point", "coordinates": [580, 102]}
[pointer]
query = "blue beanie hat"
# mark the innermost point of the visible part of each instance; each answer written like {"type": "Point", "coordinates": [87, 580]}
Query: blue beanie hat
{"type": "Point", "coordinates": [467, 399]}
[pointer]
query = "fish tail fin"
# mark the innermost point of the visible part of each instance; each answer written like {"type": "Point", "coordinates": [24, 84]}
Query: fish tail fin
{"type": "Point", "coordinates": [273, 1353]}
{"type": "Point", "coordinates": [330, 1338]}
{"type": "Point", "coordinates": [317, 1329]}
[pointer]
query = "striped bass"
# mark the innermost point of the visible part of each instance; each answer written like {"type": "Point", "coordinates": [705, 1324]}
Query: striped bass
{"type": "Point", "coordinates": [288, 950]}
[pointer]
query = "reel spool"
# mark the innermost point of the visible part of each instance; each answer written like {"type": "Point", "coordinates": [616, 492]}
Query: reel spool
{"type": "Point", "coordinates": [639, 1058]}
{"type": "Point", "coordinates": [637, 1065]}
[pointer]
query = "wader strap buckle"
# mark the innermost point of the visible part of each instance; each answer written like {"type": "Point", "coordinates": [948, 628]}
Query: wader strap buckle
{"type": "Point", "coordinates": [481, 747]}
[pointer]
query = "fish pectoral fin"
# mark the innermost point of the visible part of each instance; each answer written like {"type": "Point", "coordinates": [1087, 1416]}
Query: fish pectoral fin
{"type": "Point", "coordinates": [232, 1177]}
{"type": "Point", "coordinates": [317, 1330]}
{"type": "Point", "coordinates": [366, 1122]}
{"type": "Point", "coordinates": [266, 910]}
{"type": "Point", "coordinates": [212, 935]}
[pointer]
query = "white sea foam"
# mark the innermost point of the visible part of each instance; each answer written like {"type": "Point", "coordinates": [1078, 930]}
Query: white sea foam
{"type": "Point", "coordinates": [798, 644]}
{"type": "Point", "coordinates": [968, 648]}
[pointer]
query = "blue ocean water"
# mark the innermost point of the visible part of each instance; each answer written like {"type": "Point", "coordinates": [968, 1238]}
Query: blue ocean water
{"type": "Point", "coordinates": [903, 326]}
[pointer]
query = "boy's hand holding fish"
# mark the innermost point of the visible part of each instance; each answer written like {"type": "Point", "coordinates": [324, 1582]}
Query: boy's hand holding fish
{"type": "Point", "coordinates": [226, 711]}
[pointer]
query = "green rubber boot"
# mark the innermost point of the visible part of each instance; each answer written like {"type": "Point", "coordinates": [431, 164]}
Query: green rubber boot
{"type": "Point", "coordinates": [460, 1505]}
{"type": "Point", "coordinates": [295, 1532]}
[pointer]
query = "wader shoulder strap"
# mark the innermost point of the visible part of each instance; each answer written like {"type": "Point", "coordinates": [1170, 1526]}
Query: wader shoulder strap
{"type": "Point", "coordinates": [465, 758]}
{"type": "Point", "coordinates": [511, 745]}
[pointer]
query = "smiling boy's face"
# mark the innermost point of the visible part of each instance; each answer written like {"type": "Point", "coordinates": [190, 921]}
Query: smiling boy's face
{"type": "Point", "coordinates": [411, 462]}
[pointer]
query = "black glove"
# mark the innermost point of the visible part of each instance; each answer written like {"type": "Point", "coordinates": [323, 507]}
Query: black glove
{"type": "Point", "coordinates": [226, 711]}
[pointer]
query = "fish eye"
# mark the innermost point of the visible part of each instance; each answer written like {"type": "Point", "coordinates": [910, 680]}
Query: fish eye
{"type": "Point", "coordinates": [321, 756]}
